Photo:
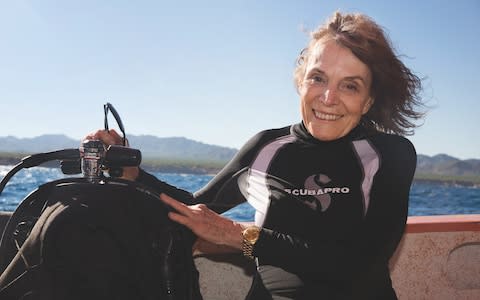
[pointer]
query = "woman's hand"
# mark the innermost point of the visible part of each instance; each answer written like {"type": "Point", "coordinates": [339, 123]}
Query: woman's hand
{"type": "Point", "coordinates": [205, 223]}
{"type": "Point", "coordinates": [111, 137]}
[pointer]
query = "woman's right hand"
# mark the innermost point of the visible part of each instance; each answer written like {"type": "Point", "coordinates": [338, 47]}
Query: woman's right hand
{"type": "Point", "coordinates": [206, 224]}
{"type": "Point", "coordinates": [111, 137]}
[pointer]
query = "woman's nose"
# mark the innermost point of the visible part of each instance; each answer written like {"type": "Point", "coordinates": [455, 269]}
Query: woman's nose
{"type": "Point", "coordinates": [329, 97]}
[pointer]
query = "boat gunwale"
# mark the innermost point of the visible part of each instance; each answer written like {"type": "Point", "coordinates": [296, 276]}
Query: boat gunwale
{"type": "Point", "coordinates": [443, 223]}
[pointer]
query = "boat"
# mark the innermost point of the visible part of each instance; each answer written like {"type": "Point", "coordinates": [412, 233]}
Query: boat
{"type": "Point", "coordinates": [438, 258]}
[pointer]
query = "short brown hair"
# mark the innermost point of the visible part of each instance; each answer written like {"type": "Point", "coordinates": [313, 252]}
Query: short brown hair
{"type": "Point", "coordinates": [395, 88]}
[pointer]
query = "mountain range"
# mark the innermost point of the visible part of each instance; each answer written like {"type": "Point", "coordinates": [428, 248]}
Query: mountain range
{"type": "Point", "coordinates": [443, 164]}
{"type": "Point", "coordinates": [181, 148]}
{"type": "Point", "coordinates": [151, 147]}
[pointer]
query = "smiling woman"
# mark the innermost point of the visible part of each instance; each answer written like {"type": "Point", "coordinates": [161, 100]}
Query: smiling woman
{"type": "Point", "coordinates": [330, 193]}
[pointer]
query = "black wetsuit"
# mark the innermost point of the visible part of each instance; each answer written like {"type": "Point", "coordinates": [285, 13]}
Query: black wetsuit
{"type": "Point", "coordinates": [332, 213]}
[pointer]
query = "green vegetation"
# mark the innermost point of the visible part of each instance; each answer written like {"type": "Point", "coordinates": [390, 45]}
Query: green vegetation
{"type": "Point", "coordinates": [168, 165]}
{"type": "Point", "coordinates": [172, 165]}
{"type": "Point", "coordinates": [190, 166]}
{"type": "Point", "coordinates": [12, 155]}
{"type": "Point", "coordinates": [10, 158]}
{"type": "Point", "coordinates": [456, 179]}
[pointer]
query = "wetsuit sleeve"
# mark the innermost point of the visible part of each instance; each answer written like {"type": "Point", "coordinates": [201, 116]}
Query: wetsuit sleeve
{"type": "Point", "coordinates": [368, 246]}
{"type": "Point", "coordinates": [163, 187]}
{"type": "Point", "coordinates": [222, 193]}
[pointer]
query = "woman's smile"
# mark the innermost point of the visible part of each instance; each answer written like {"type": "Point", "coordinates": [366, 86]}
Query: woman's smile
{"type": "Point", "coordinates": [326, 116]}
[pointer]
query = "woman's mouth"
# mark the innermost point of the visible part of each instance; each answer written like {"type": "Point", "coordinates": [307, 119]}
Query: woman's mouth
{"type": "Point", "coordinates": [326, 117]}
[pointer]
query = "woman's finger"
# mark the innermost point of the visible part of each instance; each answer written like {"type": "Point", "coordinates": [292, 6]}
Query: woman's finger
{"type": "Point", "coordinates": [177, 205]}
{"type": "Point", "coordinates": [181, 219]}
{"type": "Point", "coordinates": [115, 134]}
{"type": "Point", "coordinates": [108, 137]}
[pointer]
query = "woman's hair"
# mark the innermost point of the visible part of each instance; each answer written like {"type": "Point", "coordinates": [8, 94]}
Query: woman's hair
{"type": "Point", "coordinates": [395, 89]}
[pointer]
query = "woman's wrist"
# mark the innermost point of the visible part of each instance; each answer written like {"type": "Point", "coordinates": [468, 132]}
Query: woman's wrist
{"type": "Point", "coordinates": [234, 237]}
{"type": "Point", "coordinates": [237, 234]}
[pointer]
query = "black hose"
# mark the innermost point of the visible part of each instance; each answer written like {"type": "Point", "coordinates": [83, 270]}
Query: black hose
{"type": "Point", "coordinates": [38, 159]}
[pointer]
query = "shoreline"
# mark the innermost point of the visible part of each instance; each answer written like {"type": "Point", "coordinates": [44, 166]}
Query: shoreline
{"type": "Point", "coordinates": [209, 168]}
{"type": "Point", "coordinates": [454, 182]}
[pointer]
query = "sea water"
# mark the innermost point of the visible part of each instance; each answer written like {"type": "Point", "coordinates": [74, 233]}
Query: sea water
{"type": "Point", "coordinates": [425, 198]}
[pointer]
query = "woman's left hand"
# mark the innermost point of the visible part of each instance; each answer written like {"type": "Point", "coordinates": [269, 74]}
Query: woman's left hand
{"type": "Point", "coordinates": [111, 137]}
{"type": "Point", "coordinates": [205, 223]}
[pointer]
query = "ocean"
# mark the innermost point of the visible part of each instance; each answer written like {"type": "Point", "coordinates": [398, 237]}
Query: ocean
{"type": "Point", "coordinates": [425, 198]}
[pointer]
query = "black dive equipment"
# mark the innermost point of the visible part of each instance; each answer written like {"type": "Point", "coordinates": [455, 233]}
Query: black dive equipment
{"type": "Point", "coordinates": [92, 158]}
{"type": "Point", "coordinates": [94, 237]}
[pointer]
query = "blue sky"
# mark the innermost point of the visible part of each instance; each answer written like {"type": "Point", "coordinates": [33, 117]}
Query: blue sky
{"type": "Point", "coordinates": [217, 71]}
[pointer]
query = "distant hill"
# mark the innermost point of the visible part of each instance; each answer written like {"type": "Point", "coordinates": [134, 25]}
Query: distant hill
{"type": "Point", "coordinates": [179, 148]}
{"type": "Point", "coordinates": [151, 147]}
{"type": "Point", "coordinates": [446, 165]}
{"type": "Point", "coordinates": [43, 143]}
{"type": "Point", "coordinates": [185, 155]}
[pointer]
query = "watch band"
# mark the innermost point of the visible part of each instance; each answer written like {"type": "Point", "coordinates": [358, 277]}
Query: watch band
{"type": "Point", "coordinates": [250, 237]}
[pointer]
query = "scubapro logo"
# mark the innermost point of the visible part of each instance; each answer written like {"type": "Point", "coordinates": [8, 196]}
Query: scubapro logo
{"type": "Point", "coordinates": [318, 187]}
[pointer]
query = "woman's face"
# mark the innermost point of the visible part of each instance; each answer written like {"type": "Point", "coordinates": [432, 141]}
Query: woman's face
{"type": "Point", "coordinates": [335, 91]}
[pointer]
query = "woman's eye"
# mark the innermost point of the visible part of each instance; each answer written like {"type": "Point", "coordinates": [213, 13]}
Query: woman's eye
{"type": "Point", "coordinates": [317, 79]}
{"type": "Point", "coordinates": [352, 87]}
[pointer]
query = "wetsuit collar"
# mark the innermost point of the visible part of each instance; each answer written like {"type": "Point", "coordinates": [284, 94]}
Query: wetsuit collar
{"type": "Point", "coordinates": [301, 132]}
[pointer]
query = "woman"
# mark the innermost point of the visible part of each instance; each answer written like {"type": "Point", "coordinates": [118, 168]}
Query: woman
{"type": "Point", "coordinates": [330, 193]}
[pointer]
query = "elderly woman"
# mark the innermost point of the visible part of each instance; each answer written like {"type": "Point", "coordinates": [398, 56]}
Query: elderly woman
{"type": "Point", "coordinates": [331, 192]}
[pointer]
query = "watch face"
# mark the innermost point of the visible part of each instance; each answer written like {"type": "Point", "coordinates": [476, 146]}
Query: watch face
{"type": "Point", "coordinates": [251, 234]}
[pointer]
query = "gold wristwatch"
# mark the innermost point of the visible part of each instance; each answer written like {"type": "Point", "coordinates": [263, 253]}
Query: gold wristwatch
{"type": "Point", "coordinates": [250, 237]}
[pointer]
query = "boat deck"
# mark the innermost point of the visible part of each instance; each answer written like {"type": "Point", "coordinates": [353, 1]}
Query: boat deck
{"type": "Point", "coordinates": [438, 258]}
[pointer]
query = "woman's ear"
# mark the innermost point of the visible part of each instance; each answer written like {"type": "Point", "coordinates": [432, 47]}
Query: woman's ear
{"type": "Point", "coordinates": [368, 105]}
